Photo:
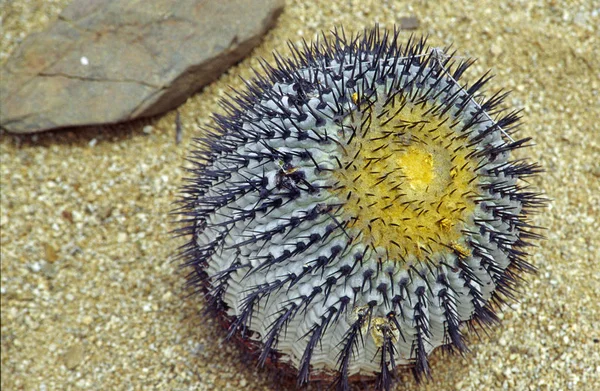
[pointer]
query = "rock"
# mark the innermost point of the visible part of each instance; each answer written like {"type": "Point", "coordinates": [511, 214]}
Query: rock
{"type": "Point", "coordinates": [107, 61]}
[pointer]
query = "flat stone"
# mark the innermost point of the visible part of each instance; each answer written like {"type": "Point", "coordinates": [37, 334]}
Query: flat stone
{"type": "Point", "coordinates": [107, 61]}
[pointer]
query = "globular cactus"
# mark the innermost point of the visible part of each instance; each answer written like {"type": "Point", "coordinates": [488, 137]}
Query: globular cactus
{"type": "Point", "coordinates": [356, 207]}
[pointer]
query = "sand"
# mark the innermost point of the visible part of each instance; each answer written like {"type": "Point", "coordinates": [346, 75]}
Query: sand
{"type": "Point", "coordinates": [90, 296]}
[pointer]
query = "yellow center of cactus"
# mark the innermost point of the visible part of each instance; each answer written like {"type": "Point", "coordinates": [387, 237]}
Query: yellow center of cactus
{"type": "Point", "coordinates": [407, 180]}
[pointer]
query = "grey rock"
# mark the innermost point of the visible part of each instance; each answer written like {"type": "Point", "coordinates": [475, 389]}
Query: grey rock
{"type": "Point", "coordinates": [107, 61]}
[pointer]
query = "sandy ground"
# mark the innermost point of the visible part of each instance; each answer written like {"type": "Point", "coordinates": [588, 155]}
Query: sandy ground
{"type": "Point", "coordinates": [91, 300]}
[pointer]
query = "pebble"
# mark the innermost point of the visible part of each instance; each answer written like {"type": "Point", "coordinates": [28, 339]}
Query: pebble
{"type": "Point", "coordinates": [496, 49]}
{"type": "Point", "coordinates": [74, 356]}
{"type": "Point", "coordinates": [35, 267]}
{"type": "Point", "coordinates": [50, 251]}
{"type": "Point", "coordinates": [49, 270]}
{"type": "Point", "coordinates": [409, 23]}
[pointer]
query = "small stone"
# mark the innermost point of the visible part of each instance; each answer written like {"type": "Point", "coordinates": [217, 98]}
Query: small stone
{"type": "Point", "coordinates": [141, 335]}
{"type": "Point", "coordinates": [50, 252]}
{"type": "Point", "coordinates": [67, 215]}
{"type": "Point", "coordinates": [49, 270]}
{"type": "Point", "coordinates": [147, 129]}
{"type": "Point", "coordinates": [121, 237]}
{"type": "Point", "coordinates": [580, 18]}
{"type": "Point", "coordinates": [409, 23]}
{"type": "Point", "coordinates": [496, 49]}
{"type": "Point", "coordinates": [105, 212]}
{"type": "Point", "coordinates": [74, 356]}
{"type": "Point", "coordinates": [87, 320]}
